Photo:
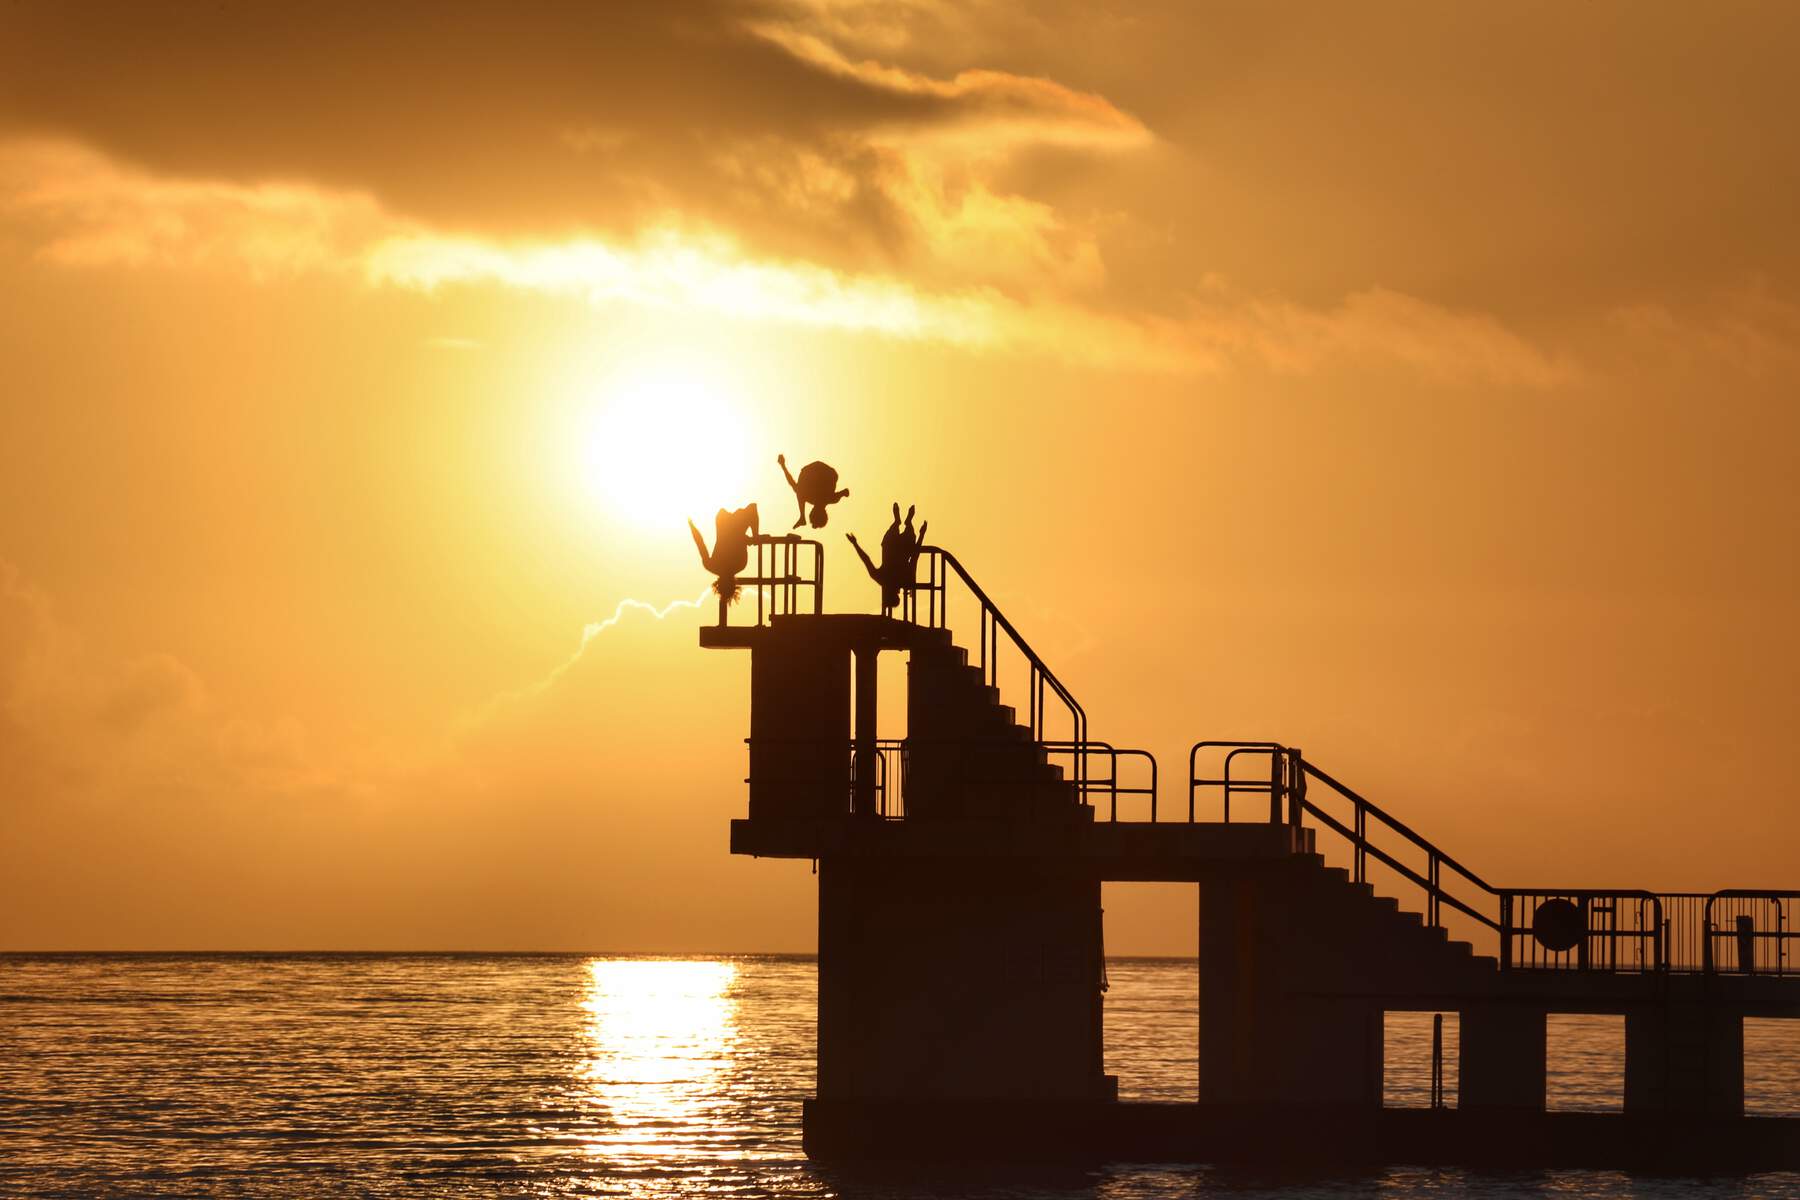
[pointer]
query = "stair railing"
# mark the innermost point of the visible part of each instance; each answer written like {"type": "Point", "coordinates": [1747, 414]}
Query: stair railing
{"type": "Point", "coordinates": [1365, 816]}
{"type": "Point", "coordinates": [1568, 928]}
{"type": "Point", "coordinates": [1042, 685]}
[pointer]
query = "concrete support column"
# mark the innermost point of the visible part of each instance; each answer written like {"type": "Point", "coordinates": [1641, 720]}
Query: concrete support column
{"type": "Point", "coordinates": [1684, 1058]}
{"type": "Point", "coordinates": [1501, 1058]}
{"type": "Point", "coordinates": [1271, 1031]}
{"type": "Point", "coordinates": [960, 979]}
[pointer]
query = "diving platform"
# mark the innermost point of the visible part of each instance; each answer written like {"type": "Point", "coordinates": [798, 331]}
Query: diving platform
{"type": "Point", "coordinates": [961, 947]}
{"type": "Point", "coordinates": [1111, 851]}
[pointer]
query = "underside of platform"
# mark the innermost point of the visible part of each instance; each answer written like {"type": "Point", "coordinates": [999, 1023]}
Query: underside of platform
{"type": "Point", "coordinates": [1112, 851]}
{"type": "Point", "coordinates": [1191, 1133]}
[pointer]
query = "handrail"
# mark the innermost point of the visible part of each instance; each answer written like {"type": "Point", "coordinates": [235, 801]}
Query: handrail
{"type": "Point", "coordinates": [1745, 932]}
{"type": "Point", "coordinates": [1226, 782]}
{"type": "Point", "coordinates": [1423, 881]}
{"type": "Point", "coordinates": [993, 621]}
{"type": "Point", "coordinates": [1286, 781]}
{"type": "Point", "coordinates": [887, 794]}
{"type": "Point", "coordinates": [1398, 826]}
{"type": "Point", "coordinates": [1110, 785]}
{"type": "Point", "coordinates": [778, 578]}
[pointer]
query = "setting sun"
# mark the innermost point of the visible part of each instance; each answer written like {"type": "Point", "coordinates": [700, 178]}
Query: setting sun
{"type": "Point", "coordinates": [667, 441]}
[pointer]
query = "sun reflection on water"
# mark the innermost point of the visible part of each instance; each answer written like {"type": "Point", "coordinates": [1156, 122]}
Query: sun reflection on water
{"type": "Point", "coordinates": [660, 1036]}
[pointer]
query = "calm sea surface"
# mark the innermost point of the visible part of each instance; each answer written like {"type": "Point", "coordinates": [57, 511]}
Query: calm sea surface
{"type": "Point", "coordinates": [282, 1075]}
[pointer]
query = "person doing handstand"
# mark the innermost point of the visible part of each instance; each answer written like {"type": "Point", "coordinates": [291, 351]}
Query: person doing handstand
{"type": "Point", "coordinates": [817, 486]}
{"type": "Point", "coordinates": [899, 557]}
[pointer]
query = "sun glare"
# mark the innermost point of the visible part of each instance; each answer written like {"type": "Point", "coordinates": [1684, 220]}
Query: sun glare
{"type": "Point", "coordinates": [667, 442]}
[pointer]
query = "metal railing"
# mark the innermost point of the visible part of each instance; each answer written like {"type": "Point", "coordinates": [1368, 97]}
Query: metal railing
{"type": "Point", "coordinates": [1444, 882]}
{"type": "Point", "coordinates": [815, 768]}
{"type": "Point", "coordinates": [1593, 929]}
{"type": "Point", "coordinates": [1271, 781]}
{"type": "Point", "coordinates": [1042, 684]}
{"type": "Point", "coordinates": [812, 767]}
{"type": "Point", "coordinates": [778, 575]}
{"type": "Point", "coordinates": [1106, 785]}
{"type": "Point", "coordinates": [1585, 930]}
{"type": "Point", "coordinates": [1747, 932]}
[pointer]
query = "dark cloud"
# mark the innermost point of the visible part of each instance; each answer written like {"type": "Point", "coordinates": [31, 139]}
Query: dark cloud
{"type": "Point", "coordinates": [1522, 162]}
{"type": "Point", "coordinates": [1520, 158]}
{"type": "Point", "coordinates": [522, 118]}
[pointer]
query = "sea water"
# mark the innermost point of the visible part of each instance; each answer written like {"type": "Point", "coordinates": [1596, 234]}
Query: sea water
{"type": "Point", "coordinates": [581, 1075]}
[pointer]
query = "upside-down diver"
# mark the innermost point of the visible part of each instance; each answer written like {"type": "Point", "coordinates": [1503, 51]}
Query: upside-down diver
{"type": "Point", "coordinates": [899, 556]}
{"type": "Point", "coordinates": [817, 486]}
{"type": "Point", "coordinates": [730, 553]}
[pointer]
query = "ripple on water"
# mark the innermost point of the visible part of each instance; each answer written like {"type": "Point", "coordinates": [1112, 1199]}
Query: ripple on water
{"type": "Point", "coordinates": [307, 1075]}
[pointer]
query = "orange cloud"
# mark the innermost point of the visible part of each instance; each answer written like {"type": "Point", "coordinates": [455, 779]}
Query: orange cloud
{"type": "Point", "coordinates": [1018, 278]}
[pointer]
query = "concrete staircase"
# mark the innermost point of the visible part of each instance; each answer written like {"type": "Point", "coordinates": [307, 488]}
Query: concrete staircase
{"type": "Point", "coordinates": [969, 754]}
{"type": "Point", "coordinates": [1352, 936]}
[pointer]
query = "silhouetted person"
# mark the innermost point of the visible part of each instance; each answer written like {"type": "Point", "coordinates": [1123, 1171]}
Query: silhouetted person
{"type": "Point", "coordinates": [730, 553]}
{"type": "Point", "coordinates": [899, 556]}
{"type": "Point", "coordinates": [817, 486]}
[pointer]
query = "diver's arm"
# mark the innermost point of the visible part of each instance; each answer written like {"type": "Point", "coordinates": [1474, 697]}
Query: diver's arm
{"type": "Point", "coordinates": [868, 563]}
{"type": "Point", "coordinates": [795, 484]}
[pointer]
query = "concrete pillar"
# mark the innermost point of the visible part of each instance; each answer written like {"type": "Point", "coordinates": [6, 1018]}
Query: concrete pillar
{"type": "Point", "coordinates": [1500, 1058]}
{"type": "Point", "coordinates": [1271, 1031]}
{"type": "Point", "coordinates": [1684, 1058]}
{"type": "Point", "coordinates": [799, 728]}
{"type": "Point", "coordinates": [958, 980]}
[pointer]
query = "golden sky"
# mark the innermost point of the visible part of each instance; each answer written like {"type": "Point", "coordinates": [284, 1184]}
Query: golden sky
{"type": "Point", "coordinates": [1413, 383]}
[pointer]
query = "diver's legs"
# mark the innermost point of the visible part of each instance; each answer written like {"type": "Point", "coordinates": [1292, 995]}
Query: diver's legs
{"type": "Point", "coordinates": [700, 544]}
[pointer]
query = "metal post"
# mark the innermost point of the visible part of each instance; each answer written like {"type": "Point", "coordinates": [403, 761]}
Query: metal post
{"type": "Point", "coordinates": [862, 801]}
{"type": "Point", "coordinates": [1276, 762]}
{"type": "Point", "coordinates": [1437, 1060]}
{"type": "Point", "coordinates": [1506, 933]}
{"type": "Point", "coordinates": [1746, 943]}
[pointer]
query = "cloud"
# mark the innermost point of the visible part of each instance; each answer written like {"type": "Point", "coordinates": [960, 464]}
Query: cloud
{"type": "Point", "coordinates": [89, 211]}
{"type": "Point", "coordinates": [538, 119]}
{"type": "Point", "coordinates": [998, 104]}
{"type": "Point", "coordinates": [139, 811]}
{"type": "Point", "coordinates": [589, 632]}
{"type": "Point", "coordinates": [75, 724]}
{"type": "Point", "coordinates": [1747, 330]}
{"type": "Point", "coordinates": [1377, 326]}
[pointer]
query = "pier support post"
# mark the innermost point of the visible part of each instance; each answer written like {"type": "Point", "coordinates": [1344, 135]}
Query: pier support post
{"type": "Point", "coordinates": [958, 979]}
{"type": "Point", "coordinates": [1271, 1031]}
{"type": "Point", "coordinates": [799, 727]}
{"type": "Point", "coordinates": [1501, 1058]}
{"type": "Point", "coordinates": [1684, 1058]}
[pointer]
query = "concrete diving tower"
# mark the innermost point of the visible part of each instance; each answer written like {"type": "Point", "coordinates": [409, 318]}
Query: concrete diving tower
{"type": "Point", "coordinates": [961, 953]}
